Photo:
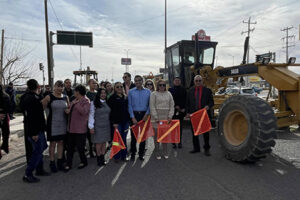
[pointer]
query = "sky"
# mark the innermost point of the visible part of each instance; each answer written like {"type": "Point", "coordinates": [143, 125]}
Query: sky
{"type": "Point", "coordinates": [138, 25]}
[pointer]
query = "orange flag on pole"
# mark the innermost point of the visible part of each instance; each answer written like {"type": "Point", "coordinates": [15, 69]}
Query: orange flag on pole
{"type": "Point", "coordinates": [200, 122]}
{"type": "Point", "coordinates": [168, 132]}
{"type": "Point", "coordinates": [117, 144]}
{"type": "Point", "coordinates": [143, 130]}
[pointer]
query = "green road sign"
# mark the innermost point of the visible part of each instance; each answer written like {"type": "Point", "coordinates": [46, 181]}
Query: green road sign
{"type": "Point", "coordinates": [75, 38]}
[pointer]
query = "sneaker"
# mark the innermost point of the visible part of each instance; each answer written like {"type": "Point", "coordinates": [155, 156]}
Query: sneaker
{"type": "Point", "coordinates": [158, 157]}
{"type": "Point", "coordinates": [67, 168]}
{"type": "Point", "coordinates": [30, 179]}
{"type": "Point", "coordinates": [166, 157]}
{"type": "Point", "coordinates": [179, 146]}
{"type": "Point", "coordinates": [142, 158]}
{"type": "Point", "coordinates": [82, 165]}
{"type": "Point", "coordinates": [174, 146]}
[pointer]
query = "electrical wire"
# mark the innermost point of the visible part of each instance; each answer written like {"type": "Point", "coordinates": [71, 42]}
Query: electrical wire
{"type": "Point", "coordinates": [59, 23]}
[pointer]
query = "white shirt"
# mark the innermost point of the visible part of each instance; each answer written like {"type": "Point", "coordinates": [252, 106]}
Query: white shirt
{"type": "Point", "coordinates": [92, 114]}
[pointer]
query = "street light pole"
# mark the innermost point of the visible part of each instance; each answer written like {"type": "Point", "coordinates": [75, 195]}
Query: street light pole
{"type": "Point", "coordinates": [127, 50]}
{"type": "Point", "coordinates": [165, 72]}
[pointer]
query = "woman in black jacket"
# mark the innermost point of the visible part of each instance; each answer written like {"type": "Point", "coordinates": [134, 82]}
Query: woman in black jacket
{"type": "Point", "coordinates": [120, 118]}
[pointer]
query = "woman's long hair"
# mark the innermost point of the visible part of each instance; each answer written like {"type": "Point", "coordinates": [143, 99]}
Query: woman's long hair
{"type": "Point", "coordinates": [97, 102]}
{"type": "Point", "coordinates": [118, 83]}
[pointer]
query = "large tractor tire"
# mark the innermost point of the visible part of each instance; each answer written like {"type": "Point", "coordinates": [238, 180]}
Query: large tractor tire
{"type": "Point", "coordinates": [247, 128]}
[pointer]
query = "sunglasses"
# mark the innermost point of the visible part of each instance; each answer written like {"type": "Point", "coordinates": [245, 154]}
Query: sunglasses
{"type": "Point", "coordinates": [138, 80]}
{"type": "Point", "coordinates": [125, 76]}
{"type": "Point", "coordinates": [162, 85]}
{"type": "Point", "coordinates": [148, 84]}
{"type": "Point", "coordinates": [119, 87]}
{"type": "Point", "coordinates": [198, 80]}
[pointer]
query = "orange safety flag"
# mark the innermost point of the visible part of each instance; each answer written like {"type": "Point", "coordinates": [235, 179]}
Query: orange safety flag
{"type": "Point", "coordinates": [117, 144]}
{"type": "Point", "coordinates": [200, 122]}
{"type": "Point", "coordinates": [168, 132]}
{"type": "Point", "coordinates": [143, 130]}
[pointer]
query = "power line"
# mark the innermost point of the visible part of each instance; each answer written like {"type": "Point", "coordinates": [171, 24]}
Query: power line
{"type": "Point", "coordinates": [286, 38]}
{"type": "Point", "coordinates": [59, 23]}
{"type": "Point", "coordinates": [248, 33]}
{"type": "Point", "coordinates": [22, 39]}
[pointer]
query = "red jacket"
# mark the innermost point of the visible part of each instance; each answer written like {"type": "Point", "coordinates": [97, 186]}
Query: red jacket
{"type": "Point", "coordinates": [79, 115]}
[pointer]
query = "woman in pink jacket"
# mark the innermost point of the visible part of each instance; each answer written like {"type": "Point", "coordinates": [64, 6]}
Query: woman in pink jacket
{"type": "Point", "coordinates": [78, 121]}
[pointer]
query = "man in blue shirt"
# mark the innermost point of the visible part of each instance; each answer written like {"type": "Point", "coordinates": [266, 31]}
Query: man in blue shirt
{"type": "Point", "coordinates": [138, 107]}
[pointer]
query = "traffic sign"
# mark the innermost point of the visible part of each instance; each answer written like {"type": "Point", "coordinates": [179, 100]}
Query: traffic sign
{"type": "Point", "coordinates": [126, 61]}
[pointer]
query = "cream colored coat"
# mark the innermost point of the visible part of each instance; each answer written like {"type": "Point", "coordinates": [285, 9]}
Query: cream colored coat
{"type": "Point", "coordinates": [161, 106]}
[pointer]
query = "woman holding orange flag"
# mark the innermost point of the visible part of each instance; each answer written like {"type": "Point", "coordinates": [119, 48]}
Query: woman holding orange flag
{"type": "Point", "coordinates": [161, 108]}
{"type": "Point", "coordinates": [119, 117]}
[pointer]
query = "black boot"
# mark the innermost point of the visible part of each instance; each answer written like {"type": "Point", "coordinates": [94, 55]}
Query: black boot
{"type": "Point", "coordinates": [60, 164]}
{"type": "Point", "coordinates": [103, 160]}
{"type": "Point", "coordinates": [53, 167]}
{"type": "Point", "coordinates": [99, 161]}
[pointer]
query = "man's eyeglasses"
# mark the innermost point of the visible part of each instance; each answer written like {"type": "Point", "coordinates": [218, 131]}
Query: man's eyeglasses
{"type": "Point", "coordinates": [125, 77]}
{"type": "Point", "coordinates": [162, 85]}
{"type": "Point", "coordinates": [119, 87]}
{"type": "Point", "coordinates": [198, 80]}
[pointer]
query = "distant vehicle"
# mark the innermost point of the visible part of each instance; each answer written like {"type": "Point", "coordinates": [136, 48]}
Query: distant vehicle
{"type": "Point", "coordinates": [257, 89]}
{"type": "Point", "coordinates": [240, 91]}
{"type": "Point", "coordinates": [248, 91]}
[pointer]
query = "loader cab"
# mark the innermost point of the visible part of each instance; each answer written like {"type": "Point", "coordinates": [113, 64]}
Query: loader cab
{"type": "Point", "coordinates": [182, 55]}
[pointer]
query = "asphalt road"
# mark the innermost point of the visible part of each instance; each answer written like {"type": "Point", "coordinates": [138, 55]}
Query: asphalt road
{"type": "Point", "coordinates": [182, 176]}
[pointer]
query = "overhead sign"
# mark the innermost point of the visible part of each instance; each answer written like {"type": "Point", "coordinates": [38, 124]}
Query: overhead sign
{"type": "Point", "coordinates": [162, 70]}
{"type": "Point", "coordinates": [126, 61]}
{"type": "Point", "coordinates": [75, 38]}
{"type": "Point", "coordinates": [201, 36]}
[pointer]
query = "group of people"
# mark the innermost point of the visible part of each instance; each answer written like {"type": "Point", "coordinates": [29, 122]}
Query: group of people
{"type": "Point", "coordinates": [74, 116]}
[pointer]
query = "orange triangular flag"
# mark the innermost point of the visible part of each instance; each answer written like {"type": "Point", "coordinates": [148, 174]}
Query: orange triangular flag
{"type": "Point", "coordinates": [117, 144]}
{"type": "Point", "coordinates": [200, 122]}
{"type": "Point", "coordinates": [168, 132]}
{"type": "Point", "coordinates": [143, 130]}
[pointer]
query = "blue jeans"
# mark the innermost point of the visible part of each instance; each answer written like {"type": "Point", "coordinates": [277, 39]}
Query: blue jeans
{"type": "Point", "coordinates": [122, 128]}
{"type": "Point", "coordinates": [36, 159]}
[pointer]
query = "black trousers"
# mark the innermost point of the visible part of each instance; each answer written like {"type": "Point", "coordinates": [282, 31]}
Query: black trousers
{"type": "Point", "coordinates": [5, 133]}
{"type": "Point", "coordinates": [180, 116]}
{"type": "Point", "coordinates": [28, 145]}
{"type": "Point", "coordinates": [138, 116]}
{"type": "Point", "coordinates": [196, 142]}
{"type": "Point", "coordinates": [78, 141]}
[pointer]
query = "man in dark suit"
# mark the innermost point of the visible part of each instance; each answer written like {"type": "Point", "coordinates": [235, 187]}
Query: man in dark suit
{"type": "Point", "coordinates": [179, 95]}
{"type": "Point", "coordinates": [128, 84]}
{"type": "Point", "coordinates": [199, 97]}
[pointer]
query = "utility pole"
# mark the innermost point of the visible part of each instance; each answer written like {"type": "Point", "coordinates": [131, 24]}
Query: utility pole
{"type": "Point", "coordinates": [165, 74]}
{"type": "Point", "coordinates": [1, 57]}
{"type": "Point", "coordinates": [248, 33]}
{"type": "Point", "coordinates": [49, 57]}
{"type": "Point", "coordinates": [286, 38]}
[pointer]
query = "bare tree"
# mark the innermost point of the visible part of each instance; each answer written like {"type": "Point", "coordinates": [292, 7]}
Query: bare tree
{"type": "Point", "coordinates": [18, 65]}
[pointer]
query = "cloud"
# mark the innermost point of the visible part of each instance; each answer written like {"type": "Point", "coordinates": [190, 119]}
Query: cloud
{"type": "Point", "coordinates": [138, 25]}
